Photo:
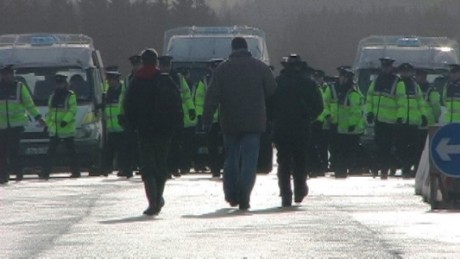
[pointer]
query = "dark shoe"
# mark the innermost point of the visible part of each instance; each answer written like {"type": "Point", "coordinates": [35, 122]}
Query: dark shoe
{"type": "Point", "coordinates": [384, 175]}
{"type": "Point", "coordinates": [19, 176]}
{"type": "Point", "coordinates": [176, 174]}
{"type": "Point", "coordinates": [150, 211]}
{"type": "Point", "coordinates": [244, 207]}
{"type": "Point", "coordinates": [233, 203]}
{"type": "Point", "coordinates": [3, 181]}
{"type": "Point", "coordinates": [299, 195]}
{"type": "Point", "coordinates": [75, 175]}
{"type": "Point", "coordinates": [286, 201]}
{"type": "Point", "coordinates": [160, 206]}
{"type": "Point", "coordinates": [44, 176]}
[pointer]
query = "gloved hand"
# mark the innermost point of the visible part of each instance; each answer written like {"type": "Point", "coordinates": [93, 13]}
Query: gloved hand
{"type": "Point", "coordinates": [399, 121]}
{"type": "Point", "coordinates": [370, 117]}
{"type": "Point", "coordinates": [351, 128]}
{"type": "Point", "coordinates": [121, 120]}
{"type": "Point", "coordinates": [192, 114]}
{"type": "Point", "coordinates": [424, 121]}
{"type": "Point", "coordinates": [63, 124]}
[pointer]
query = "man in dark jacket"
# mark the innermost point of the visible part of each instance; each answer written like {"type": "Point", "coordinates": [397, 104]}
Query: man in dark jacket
{"type": "Point", "coordinates": [296, 103]}
{"type": "Point", "coordinates": [154, 136]}
{"type": "Point", "coordinates": [240, 86]}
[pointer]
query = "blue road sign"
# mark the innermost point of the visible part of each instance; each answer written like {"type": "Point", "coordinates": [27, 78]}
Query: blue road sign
{"type": "Point", "coordinates": [445, 150]}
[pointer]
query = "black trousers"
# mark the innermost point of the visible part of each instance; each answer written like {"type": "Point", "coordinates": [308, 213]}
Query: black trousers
{"type": "Point", "coordinates": [333, 145]}
{"type": "Point", "coordinates": [215, 149]}
{"type": "Point", "coordinates": [115, 148]}
{"type": "Point", "coordinates": [131, 156]}
{"type": "Point", "coordinates": [174, 153]}
{"type": "Point", "coordinates": [347, 153]}
{"type": "Point", "coordinates": [318, 157]}
{"type": "Point", "coordinates": [69, 144]}
{"type": "Point", "coordinates": [187, 148]}
{"type": "Point", "coordinates": [153, 150]}
{"type": "Point", "coordinates": [9, 151]}
{"type": "Point", "coordinates": [385, 138]}
{"type": "Point", "coordinates": [408, 147]}
{"type": "Point", "coordinates": [292, 156]}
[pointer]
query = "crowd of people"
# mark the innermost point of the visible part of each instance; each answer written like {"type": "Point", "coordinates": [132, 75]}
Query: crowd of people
{"type": "Point", "coordinates": [154, 116]}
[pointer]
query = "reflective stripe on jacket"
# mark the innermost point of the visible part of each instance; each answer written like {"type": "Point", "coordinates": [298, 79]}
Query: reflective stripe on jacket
{"type": "Point", "coordinates": [15, 102]}
{"type": "Point", "coordinates": [64, 109]}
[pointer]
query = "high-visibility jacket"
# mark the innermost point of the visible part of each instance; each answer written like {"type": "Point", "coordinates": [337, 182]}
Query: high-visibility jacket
{"type": "Point", "coordinates": [15, 102]}
{"type": "Point", "coordinates": [432, 104]}
{"type": "Point", "coordinates": [415, 103]}
{"type": "Point", "coordinates": [187, 102]}
{"type": "Point", "coordinates": [62, 107]}
{"type": "Point", "coordinates": [386, 99]}
{"type": "Point", "coordinates": [323, 89]}
{"type": "Point", "coordinates": [330, 98]}
{"type": "Point", "coordinates": [112, 108]}
{"type": "Point", "coordinates": [199, 97]}
{"type": "Point", "coordinates": [451, 98]}
{"type": "Point", "coordinates": [351, 113]}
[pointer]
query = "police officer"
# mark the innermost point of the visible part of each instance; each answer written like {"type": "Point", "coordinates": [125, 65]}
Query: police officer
{"type": "Point", "coordinates": [177, 153]}
{"type": "Point", "coordinates": [386, 105]}
{"type": "Point", "coordinates": [320, 131]}
{"type": "Point", "coordinates": [60, 119]}
{"type": "Point", "coordinates": [407, 140]}
{"type": "Point", "coordinates": [15, 103]}
{"type": "Point", "coordinates": [451, 96]}
{"type": "Point", "coordinates": [350, 122]}
{"type": "Point", "coordinates": [115, 146]}
{"type": "Point", "coordinates": [295, 105]}
{"type": "Point", "coordinates": [215, 138]}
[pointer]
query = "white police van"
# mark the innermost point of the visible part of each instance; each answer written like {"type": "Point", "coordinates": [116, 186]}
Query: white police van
{"type": "Point", "coordinates": [36, 59]}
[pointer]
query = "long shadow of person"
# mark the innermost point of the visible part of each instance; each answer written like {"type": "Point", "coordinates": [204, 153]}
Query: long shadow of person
{"type": "Point", "coordinates": [128, 220]}
{"type": "Point", "coordinates": [229, 212]}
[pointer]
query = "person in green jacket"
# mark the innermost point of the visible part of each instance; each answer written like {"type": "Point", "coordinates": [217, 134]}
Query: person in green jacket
{"type": "Point", "coordinates": [15, 103]}
{"type": "Point", "coordinates": [407, 139]}
{"type": "Point", "coordinates": [386, 106]}
{"type": "Point", "coordinates": [60, 120]}
{"type": "Point", "coordinates": [350, 122]}
{"type": "Point", "coordinates": [115, 146]}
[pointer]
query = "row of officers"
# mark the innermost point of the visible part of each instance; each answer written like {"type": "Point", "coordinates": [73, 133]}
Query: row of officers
{"type": "Point", "coordinates": [400, 103]}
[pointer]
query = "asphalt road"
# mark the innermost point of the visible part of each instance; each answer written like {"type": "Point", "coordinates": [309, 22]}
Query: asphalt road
{"type": "Point", "coordinates": [359, 217]}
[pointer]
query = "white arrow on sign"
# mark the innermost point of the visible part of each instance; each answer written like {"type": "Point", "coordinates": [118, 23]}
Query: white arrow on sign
{"type": "Point", "coordinates": [445, 150]}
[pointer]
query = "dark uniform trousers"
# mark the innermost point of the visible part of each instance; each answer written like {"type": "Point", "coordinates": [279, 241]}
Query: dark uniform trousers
{"type": "Point", "coordinates": [116, 148]}
{"type": "Point", "coordinates": [385, 137]}
{"type": "Point", "coordinates": [9, 152]}
{"type": "Point", "coordinates": [187, 149]}
{"type": "Point", "coordinates": [69, 144]}
{"type": "Point", "coordinates": [318, 150]}
{"type": "Point", "coordinates": [408, 147]}
{"type": "Point", "coordinates": [333, 145]}
{"type": "Point", "coordinates": [292, 156]}
{"type": "Point", "coordinates": [347, 153]}
{"type": "Point", "coordinates": [131, 156]}
{"type": "Point", "coordinates": [153, 150]}
{"type": "Point", "coordinates": [215, 149]}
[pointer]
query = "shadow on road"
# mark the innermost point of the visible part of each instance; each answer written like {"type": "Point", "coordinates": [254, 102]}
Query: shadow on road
{"type": "Point", "coordinates": [128, 220]}
{"type": "Point", "coordinates": [229, 212]}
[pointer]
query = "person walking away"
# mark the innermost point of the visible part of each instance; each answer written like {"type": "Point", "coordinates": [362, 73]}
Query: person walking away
{"type": "Point", "coordinates": [62, 109]}
{"type": "Point", "coordinates": [350, 123]}
{"type": "Point", "coordinates": [214, 136]}
{"type": "Point", "coordinates": [296, 103]}
{"type": "Point", "coordinates": [15, 103]}
{"type": "Point", "coordinates": [153, 108]}
{"type": "Point", "coordinates": [240, 87]}
{"type": "Point", "coordinates": [386, 105]}
{"type": "Point", "coordinates": [115, 148]}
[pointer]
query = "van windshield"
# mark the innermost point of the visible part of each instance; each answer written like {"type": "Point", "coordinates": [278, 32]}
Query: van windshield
{"type": "Point", "coordinates": [41, 82]}
{"type": "Point", "coordinates": [205, 48]}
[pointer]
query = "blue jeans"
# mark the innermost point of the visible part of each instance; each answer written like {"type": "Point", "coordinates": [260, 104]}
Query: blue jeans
{"type": "Point", "coordinates": [240, 166]}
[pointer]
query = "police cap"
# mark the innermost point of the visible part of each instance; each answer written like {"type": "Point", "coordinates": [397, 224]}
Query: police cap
{"type": "Point", "coordinates": [386, 61]}
{"type": "Point", "coordinates": [112, 71]}
{"type": "Point", "coordinates": [135, 59]}
{"type": "Point", "coordinates": [454, 68]}
{"type": "Point", "coordinates": [6, 68]}
{"type": "Point", "coordinates": [346, 71]}
{"type": "Point", "coordinates": [294, 59]}
{"type": "Point", "coordinates": [60, 78]}
{"type": "Point", "coordinates": [405, 67]}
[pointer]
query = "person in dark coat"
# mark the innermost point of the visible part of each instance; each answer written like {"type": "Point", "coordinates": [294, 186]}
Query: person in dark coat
{"type": "Point", "coordinates": [296, 103]}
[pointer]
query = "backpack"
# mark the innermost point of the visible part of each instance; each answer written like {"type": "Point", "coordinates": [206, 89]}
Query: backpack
{"type": "Point", "coordinates": [168, 114]}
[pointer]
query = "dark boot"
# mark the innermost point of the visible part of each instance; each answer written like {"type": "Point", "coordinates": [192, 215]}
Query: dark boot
{"type": "Point", "coordinates": [151, 194]}
{"type": "Point", "coordinates": [300, 188]}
